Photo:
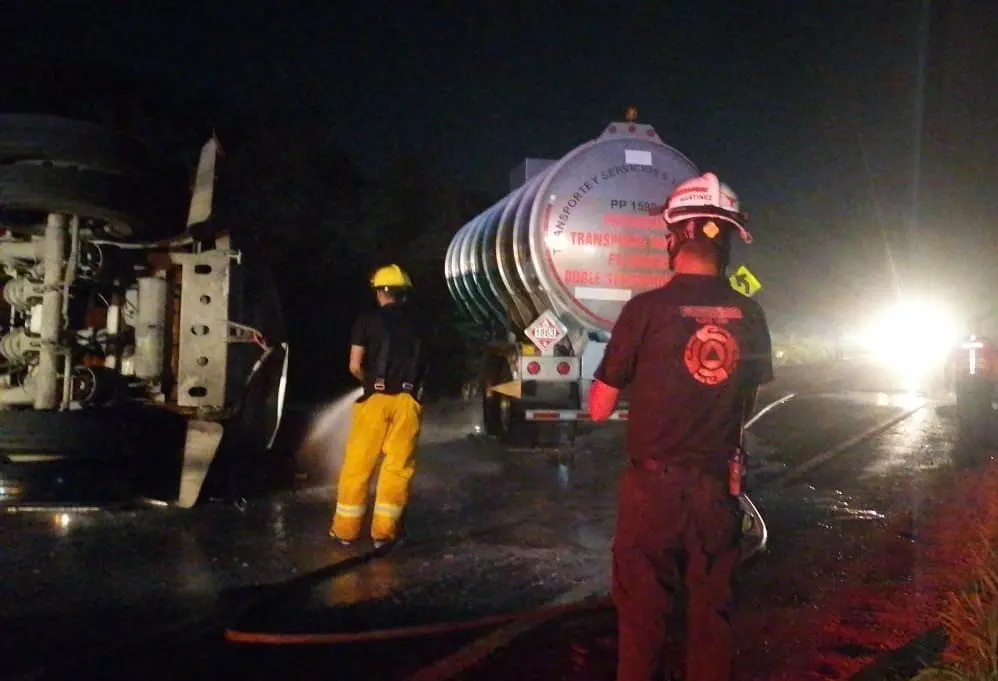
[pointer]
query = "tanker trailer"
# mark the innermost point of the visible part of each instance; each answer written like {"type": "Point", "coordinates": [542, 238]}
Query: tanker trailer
{"type": "Point", "coordinates": [546, 270]}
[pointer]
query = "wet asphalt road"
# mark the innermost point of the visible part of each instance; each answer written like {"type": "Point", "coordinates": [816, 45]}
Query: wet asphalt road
{"type": "Point", "coordinates": [147, 593]}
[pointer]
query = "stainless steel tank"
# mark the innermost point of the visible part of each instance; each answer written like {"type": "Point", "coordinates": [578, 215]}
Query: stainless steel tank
{"type": "Point", "coordinates": [576, 238]}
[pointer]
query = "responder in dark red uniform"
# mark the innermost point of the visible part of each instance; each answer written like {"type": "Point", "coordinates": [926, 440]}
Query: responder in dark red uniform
{"type": "Point", "coordinates": [692, 354]}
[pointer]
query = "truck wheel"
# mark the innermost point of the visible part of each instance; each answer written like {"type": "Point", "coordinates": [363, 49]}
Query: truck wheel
{"type": "Point", "coordinates": [517, 431]}
{"type": "Point", "coordinates": [45, 454]}
{"type": "Point", "coordinates": [65, 482]}
{"type": "Point", "coordinates": [491, 413]}
{"type": "Point", "coordinates": [973, 409]}
{"type": "Point", "coordinates": [106, 433]}
{"type": "Point", "coordinates": [131, 206]}
{"type": "Point", "coordinates": [52, 138]}
{"type": "Point", "coordinates": [504, 416]}
{"type": "Point", "coordinates": [494, 372]}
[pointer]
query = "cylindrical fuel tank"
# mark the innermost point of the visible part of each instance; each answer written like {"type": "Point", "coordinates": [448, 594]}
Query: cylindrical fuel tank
{"type": "Point", "coordinates": [575, 238]}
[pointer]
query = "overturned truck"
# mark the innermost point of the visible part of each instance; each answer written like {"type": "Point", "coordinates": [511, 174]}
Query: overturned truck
{"type": "Point", "coordinates": [138, 351]}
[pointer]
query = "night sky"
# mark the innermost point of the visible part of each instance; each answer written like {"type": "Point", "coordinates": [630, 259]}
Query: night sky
{"type": "Point", "coordinates": [821, 114]}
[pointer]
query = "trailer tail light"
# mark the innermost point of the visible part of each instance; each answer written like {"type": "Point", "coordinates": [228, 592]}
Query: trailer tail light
{"type": "Point", "coordinates": [534, 368]}
{"type": "Point", "coordinates": [564, 368]}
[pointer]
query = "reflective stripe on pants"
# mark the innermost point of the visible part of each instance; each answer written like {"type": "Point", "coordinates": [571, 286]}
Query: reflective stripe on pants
{"type": "Point", "coordinates": [350, 510]}
{"type": "Point", "coordinates": [386, 424]}
{"type": "Point", "coordinates": [388, 510]}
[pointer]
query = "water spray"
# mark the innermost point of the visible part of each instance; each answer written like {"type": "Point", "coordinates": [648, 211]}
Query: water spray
{"type": "Point", "coordinates": [324, 444]}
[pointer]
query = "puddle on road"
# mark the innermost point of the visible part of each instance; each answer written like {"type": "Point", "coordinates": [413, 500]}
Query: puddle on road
{"type": "Point", "coordinates": [593, 536]}
{"type": "Point", "coordinates": [468, 580]}
{"type": "Point", "coordinates": [530, 535]}
{"type": "Point", "coordinates": [900, 399]}
{"type": "Point", "coordinates": [824, 508]}
{"type": "Point", "coordinates": [922, 442]}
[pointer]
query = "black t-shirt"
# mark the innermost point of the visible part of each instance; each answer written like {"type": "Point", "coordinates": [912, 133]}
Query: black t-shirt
{"type": "Point", "coordinates": [389, 336]}
{"type": "Point", "coordinates": [689, 352]}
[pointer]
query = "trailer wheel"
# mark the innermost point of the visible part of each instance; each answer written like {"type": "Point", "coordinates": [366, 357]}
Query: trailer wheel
{"type": "Point", "coordinates": [130, 206]}
{"type": "Point", "coordinates": [517, 431]}
{"type": "Point", "coordinates": [503, 416]}
{"type": "Point", "coordinates": [973, 409]}
{"type": "Point", "coordinates": [491, 408]}
{"type": "Point", "coordinates": [494, 405]}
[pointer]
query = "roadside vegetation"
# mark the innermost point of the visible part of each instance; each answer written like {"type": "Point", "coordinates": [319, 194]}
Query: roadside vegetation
{"type": "Point", "coordinates": [970, 618]}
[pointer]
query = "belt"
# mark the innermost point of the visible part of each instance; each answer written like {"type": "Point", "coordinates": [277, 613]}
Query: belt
{"type": "Point", "coordinates": [380, 386]}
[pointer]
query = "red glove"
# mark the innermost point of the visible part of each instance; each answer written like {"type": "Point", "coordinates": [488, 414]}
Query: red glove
{"type": "Point", "coordinates": [602, 400]}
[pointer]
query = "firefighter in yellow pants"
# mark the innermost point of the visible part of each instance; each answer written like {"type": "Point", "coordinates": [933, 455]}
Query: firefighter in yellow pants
{"type": "Point", "coordinates": [387, 355]}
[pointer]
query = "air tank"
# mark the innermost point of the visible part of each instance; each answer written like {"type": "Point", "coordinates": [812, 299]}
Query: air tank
{"type": "Point", "coordinates": [576, 238]}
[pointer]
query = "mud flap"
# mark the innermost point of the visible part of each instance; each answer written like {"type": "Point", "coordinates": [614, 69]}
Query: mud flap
{"type": "Point", "coordinates": [203, 439]}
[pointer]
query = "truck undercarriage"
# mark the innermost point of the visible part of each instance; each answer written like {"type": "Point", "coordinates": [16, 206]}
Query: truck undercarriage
{"type": "Point", "coordinates": [130, 349]}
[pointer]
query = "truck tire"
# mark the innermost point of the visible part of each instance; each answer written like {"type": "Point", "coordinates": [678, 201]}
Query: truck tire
{"type": "Point", "coordinates": [973, 410]}
{"type": "Point", "coordinates": [517, 431]}
{"type": "Point", "coordinates": [504, 416]}
{"type": "Point", "coordinates": [46, 453]}
{"type": "Point", "coordinates": [29, 137]}
{"type": "Point", "coordinates": [66, 482]}
{"type": "Point", "coordinates": [111, 432]}
{"type": "Point", "coordinates": [491, 403]}
{"type": "Point", "coordinates": [133, 206]}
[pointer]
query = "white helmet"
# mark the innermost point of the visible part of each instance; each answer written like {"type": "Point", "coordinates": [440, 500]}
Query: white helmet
{"type": "Point", "coordinates": [705, 197]}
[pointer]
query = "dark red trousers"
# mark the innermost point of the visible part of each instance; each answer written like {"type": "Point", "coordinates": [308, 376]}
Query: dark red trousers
{"type": "Point", "coordinates": [675, 554]}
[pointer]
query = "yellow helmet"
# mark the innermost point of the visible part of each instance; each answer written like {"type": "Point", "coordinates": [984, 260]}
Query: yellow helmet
{"type": "Point", "coordinates": [391, 276]}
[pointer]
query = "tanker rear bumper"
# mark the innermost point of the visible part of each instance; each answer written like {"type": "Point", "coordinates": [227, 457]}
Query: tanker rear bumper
{"type": "Point", "coordinates": [548, 415]}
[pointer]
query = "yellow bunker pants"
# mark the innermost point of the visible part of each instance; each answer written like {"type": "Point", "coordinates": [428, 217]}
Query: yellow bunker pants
{"type": "Point", "coordinates": [386, 424]}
